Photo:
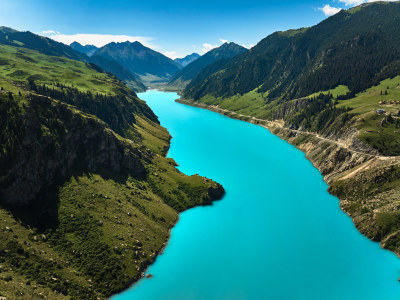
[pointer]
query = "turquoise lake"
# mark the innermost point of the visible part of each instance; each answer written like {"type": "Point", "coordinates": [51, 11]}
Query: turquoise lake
{"type": "Point", "coordinates": [277, 234]}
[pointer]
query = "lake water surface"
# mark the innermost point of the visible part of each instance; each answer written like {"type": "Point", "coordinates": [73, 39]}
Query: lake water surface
{"type": "Point", "coordinates": [277, 234]}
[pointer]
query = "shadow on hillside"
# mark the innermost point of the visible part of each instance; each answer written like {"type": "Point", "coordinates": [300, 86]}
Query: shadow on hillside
{"type": "Point", "coordinates": [43, 212]}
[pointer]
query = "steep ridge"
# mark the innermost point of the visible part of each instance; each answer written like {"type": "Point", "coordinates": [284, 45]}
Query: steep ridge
{"type": "Point", "coordinates": [48, 46]}
{"type": "Point", "coordinates": [32, 41]}
{"type": "Point", "coordinates": [87, 197]}
{"type": "Point", "coordinates": [113, 67]}
{"type": "Point", "coordinates": [182, 78]}
{"type": "Point", "coordinates": [152, 67]}
{"type": "Point", "coordinates": [110, 65]}
{"type": "Point", "coordinates": [348, 127]}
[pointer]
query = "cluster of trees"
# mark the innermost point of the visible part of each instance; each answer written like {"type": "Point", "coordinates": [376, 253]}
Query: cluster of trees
{"type": "Point", "coordinates": [357, 50]}
{"type": "Point", "coordinates": [390, 120]}
{"type": "Point", "coordinates": [116, 110]}
{"type": "Point", "coordinates": [320, 113]}
{"type": "Point", "coordinates": [12, 127]}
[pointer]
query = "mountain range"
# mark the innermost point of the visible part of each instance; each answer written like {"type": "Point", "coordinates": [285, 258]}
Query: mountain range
{"type": "Point", "coordinates": [357, 48]}
{"type": "Point", "coordinates": [183, 77]}
{"type": "Point", "coordinates": [152, 67]}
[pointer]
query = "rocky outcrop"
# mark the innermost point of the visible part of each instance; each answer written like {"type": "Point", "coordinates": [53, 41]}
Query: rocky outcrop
{"type": "Point", "coordinates": [215, 192]}
{"type": "Point", "coordinates": [57, 139]}
{"type": "Point", "coordinates": [331, 155]}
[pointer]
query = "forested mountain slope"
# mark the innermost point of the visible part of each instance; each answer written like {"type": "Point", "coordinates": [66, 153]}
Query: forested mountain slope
{"type": "Point", "coordinates": [356, 48]}
{"type": "Point", "coordinates": [87, 197]}
{"type": "Point", "coordinates": [184, 76]}
{"type": "Point", "coordinates": [32, 41]}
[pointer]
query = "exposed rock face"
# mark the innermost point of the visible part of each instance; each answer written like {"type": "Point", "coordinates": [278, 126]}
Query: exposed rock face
{"type": "Point", "coordinates": [332, 154]}
{"type": "Point", "coordinates": [215, 192]}
{"type": "Point", "coordinates": [56, 139]}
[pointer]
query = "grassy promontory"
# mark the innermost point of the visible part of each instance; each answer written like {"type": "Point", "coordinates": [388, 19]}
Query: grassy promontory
{"type": "Point", "coordinates": [87, 196]}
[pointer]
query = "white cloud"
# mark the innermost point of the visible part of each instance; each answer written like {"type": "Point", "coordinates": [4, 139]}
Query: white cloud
{"type": "Point", "coordinates": [49, 32]}
{"type": "Point", "coordinates": [352, 2]}
{"type": "Point", "coordinates": [171, 54]}
{"type": "Point", "coordinates": [329, 10]}
{"type": "Point", "coordinates": [248, 46]}
{"type": "Point", "coordinates": [207, 47]}
{"type": "Point", "coordinates": [98, 40]}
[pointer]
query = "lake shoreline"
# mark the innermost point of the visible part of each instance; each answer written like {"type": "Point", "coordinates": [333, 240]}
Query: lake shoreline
{"type": "Point", "coordinates": [290, 135]}
{"type": "Point", "coordinates": [276, 216]}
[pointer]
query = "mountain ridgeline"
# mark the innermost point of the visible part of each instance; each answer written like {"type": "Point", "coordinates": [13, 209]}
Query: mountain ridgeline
{"type": "Point", "coordinates": [226, 51]}
{"type": "Point", "coordinates": [187, 59]}
{"type": "Point", "coordinates": [356, 48]}
{"type": "Point", "coordinates": [110, 65]}
{"type": "Point", "coordinates": [89, 50]}
{"type": "Point", "coordinates": [48, 46]}
{"type": "Point", "coordinates": [32, 41]}
{"type": "Point", "coordinates": [151, 66]}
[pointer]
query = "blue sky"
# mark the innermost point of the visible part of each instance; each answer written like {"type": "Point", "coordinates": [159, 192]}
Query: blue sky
{"type": "Point", "coordinates": [173, 27]}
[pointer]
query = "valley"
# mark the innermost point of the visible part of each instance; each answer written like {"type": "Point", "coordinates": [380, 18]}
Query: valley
{"type": "Point", "coordinates": [90, 189]}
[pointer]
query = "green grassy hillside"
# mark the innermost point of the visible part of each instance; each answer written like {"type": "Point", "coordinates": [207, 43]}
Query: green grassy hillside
{"type": "Point", "coordinates": [87, 197]}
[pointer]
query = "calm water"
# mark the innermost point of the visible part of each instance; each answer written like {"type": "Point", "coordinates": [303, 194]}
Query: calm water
{"type": "Point", "coordinates": [277, 234]}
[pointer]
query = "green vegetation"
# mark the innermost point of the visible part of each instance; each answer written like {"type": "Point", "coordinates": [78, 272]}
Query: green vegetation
{"type": "Point", "coordinates": [87, 196]}
{"type": "Point", "coordinates": [340, 90]}
{"type": "Point", "coordinates": [382, 132]}
{"type": "Point", "coordinates": [51, 69]}
{"type": "Point", "coordinates": [333, 91]}
{"type": "Point", "coordinates": [251, 104]}
{"type": "Point", "coordinates": [216, 57]}
{"type": "Point", "coordinates": [356, 50]}
{"type": "Point", "coordinates": [153, 68]}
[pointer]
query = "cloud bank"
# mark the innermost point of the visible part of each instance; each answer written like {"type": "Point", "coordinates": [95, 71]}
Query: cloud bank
{"type": "Point", "coordinates": [98, 40]}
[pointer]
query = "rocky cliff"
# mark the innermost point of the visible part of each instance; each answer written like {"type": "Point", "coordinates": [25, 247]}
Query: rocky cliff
{"type": "Point", "coordinates": [57, 138]}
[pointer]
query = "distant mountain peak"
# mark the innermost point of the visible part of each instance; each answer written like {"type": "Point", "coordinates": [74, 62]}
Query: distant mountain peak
{"type": "Point", "coordinates": [140, 60]}
{"type": "Point", "coordinates": [76, 44]}
{"type": "Point", "coordinates": [187, 59]}
{"type": "Point", "coordinates": [89, 50]}
{"type": "Point", "coordinates": [224, 52]}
